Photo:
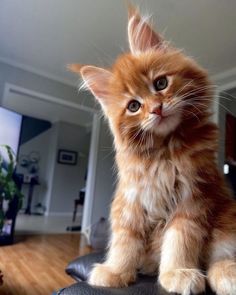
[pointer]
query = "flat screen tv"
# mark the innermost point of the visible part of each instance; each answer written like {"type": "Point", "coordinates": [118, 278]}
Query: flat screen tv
{"type": "Point", "coordinates": [10, 130]}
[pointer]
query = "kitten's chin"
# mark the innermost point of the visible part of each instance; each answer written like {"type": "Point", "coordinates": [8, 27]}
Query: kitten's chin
{"type": "Point", "coordinates": [165, 125]}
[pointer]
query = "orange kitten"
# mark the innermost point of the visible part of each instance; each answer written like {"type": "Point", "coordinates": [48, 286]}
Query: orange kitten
{"type": "Point", "coordinates": [172, 211]}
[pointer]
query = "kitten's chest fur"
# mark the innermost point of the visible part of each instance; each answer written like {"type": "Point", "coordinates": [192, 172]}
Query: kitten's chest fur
{"type": "Point", "coordinates": [158, 185]}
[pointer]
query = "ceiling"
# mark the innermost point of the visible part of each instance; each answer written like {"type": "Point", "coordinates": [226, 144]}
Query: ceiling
{"type": "Point", "coordinates": [46, 35]}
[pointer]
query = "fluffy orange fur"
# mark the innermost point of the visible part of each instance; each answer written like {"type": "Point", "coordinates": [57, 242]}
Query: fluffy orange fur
{"type": "Point", "coordinates": [172, 212]}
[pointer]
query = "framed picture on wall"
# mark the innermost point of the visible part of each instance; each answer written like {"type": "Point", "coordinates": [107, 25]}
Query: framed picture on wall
{"type": "Point", "coordinates": [67, 157]}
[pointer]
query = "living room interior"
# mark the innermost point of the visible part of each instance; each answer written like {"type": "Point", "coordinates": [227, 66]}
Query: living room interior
{"type": "Point", "coordinates": [59, 128]}
{"type": "Point", "coordinates": [63, 147]}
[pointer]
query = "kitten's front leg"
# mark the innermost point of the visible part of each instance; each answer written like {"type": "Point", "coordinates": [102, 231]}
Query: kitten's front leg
{"type": "Point", "coordinates": [126, 246]}
{"type": "Point", "coordinates": [119, 269]}
{"type": "Point", "coordinates": [180, 253]}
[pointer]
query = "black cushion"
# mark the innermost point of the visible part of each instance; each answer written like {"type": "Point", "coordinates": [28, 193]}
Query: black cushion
{"type": "Point", "coordinates": [144, 286]}
{"type": "Point", "coordinates": [80, 268]}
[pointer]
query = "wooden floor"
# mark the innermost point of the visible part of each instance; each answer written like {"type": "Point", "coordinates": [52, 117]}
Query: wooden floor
{"type": "Point", "coordinates": [35, 265]}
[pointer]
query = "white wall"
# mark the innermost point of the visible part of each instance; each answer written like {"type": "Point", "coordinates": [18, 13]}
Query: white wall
{"type": "Point", "coordinates": [105, 175]}
{"type": "Point", "coordinates": [67, 179]}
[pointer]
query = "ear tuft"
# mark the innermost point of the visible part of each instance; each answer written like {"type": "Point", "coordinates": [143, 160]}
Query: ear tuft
{"type": "Point", "coordinates": [132, 10]}
{"type": "Point", "coordinates": [141, 36]}
{"type": "Point", "coordinates": [74, 67]}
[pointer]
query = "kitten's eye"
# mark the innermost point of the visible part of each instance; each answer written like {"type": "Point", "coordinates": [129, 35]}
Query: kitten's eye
{"type": "Point", "coordinates": [134, 106]}
{"type": "Point", "coordinates": [160, 83]}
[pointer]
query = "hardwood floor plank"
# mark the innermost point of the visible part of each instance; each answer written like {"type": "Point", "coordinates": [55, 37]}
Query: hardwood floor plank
{"type": "Point", "coordinates": [35, 265]}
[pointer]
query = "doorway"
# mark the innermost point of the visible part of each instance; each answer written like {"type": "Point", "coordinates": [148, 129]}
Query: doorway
{"type": "Point", "coordinates": [227, 126]}
{"type": "Point", "coordinates": [62, 156]}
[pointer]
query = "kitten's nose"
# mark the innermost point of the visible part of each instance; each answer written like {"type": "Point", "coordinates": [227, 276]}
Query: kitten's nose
{"type": "Point", "coordinates": [157, 110]}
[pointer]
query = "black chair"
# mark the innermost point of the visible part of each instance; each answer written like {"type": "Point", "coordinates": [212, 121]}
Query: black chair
{"type": "Point", "coordinates": [80, 268]}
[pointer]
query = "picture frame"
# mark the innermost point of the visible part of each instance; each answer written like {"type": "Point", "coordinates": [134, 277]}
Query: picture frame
{"type": "Point", "coordinates": [67, 157]}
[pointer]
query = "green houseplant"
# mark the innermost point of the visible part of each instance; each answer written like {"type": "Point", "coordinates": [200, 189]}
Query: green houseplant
{"type": "Point", "coordinates": [8, 187]}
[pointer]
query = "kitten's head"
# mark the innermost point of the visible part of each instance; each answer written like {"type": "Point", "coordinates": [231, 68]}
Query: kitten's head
{"type": "Point", "coordinates": [151, 91]}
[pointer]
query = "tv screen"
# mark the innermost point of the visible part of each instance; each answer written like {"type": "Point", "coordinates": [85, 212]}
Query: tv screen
{"type": "Point", "coordinates": [10, 129]}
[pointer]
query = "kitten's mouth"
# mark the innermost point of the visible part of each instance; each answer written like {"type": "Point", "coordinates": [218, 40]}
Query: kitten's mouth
{"type": "Point", "coordinates": [162, 121]}
{"type": "Point", "coordinates": [161, 118]}
{"type": "Point", "coordinates": [165, 123]}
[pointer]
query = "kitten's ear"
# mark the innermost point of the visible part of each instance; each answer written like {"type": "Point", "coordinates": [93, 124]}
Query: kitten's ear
{"type": "Point", "coordinates": [140, 34]}
{"type": "Point", "coordinates": [95, 79]}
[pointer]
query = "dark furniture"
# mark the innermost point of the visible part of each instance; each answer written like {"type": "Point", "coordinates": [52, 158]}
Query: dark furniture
{"type": "Point", "coordinates": [11, 213]}
{"type": "Point", "coordinates": [78, 202]}
{"type": "Point", "coordinates": [80, 268]}
{"type": "Point", "coordinates": [33, 181]}
{"type": "Point", "coordinates": [231, 176]}
{"type": "Point", "coordinates": [8, 238]}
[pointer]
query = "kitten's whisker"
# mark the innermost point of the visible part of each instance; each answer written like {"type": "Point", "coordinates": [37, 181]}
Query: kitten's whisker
{"type": "Point", "coordinates": [202, 88]}
{"type": "Point", "coordinates": [192, 113]}
{"type": "Point", "coordinates": [178, 103]}
{"type": "Point", "coordinates": [194, 92]}
{"type": "Point", "coordinates": [228, 94]}
{"type": "Point", "coordinates": [224, 107]}
{"type": "Point", "coordinates": [148, 122]}
{"type": "Point", "coordinates": [135, 136]}
{"type": "Point", "coordinates": [108, 154]}
{"type": "Point", "coordinates": [191, 104]}
{"type": "Point", "coordinates": [181, 104]}
{"type": "Point", "coordinates": [201, 105]}
{"type": "Point", "coordinates": [197, 101]}
{"type": "Point", "coordinates": [209, 96]}
{"type": "Point", "coordinates": [181, 89]}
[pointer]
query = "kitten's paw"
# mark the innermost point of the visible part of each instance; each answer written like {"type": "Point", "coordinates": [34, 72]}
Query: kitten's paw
{"type": "Point", "coordinates": [222, 277]}
{"type": "Point", "coordinates": [102, 275]}
{"type": "Point", "coordinates": [183, 281]}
